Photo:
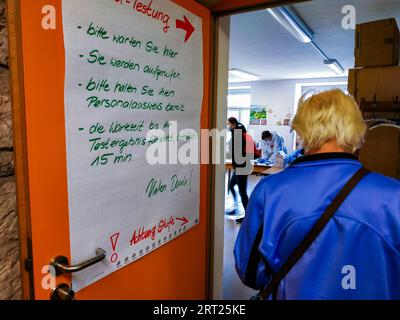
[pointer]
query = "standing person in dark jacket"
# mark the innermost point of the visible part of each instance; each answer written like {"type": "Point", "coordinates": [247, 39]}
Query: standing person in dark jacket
{"type": "Point", "coordinates": [238, 143]}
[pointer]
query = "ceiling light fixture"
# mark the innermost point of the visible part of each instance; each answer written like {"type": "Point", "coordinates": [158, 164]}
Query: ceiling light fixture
{"type": "Point", "coordinates": [243, 76]}
{"type": "Point", "coordinates": [240, 88]}
{"type": "Point", "coordinates": [335, 66]}
{"type": "Point", "coordinates": [288, 18]}
{"type": "Point", "coordinates": [292, 23]}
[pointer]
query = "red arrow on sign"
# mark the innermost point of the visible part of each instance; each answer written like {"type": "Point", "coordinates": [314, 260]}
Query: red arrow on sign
{"type": "Point", "coordinates": [185, 25]}
{"type": "Point", "coordinates": [184, 220]}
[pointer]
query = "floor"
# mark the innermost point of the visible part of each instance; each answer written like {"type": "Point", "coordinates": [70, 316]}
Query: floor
{"type": "Point", "coordinates": [233, 287]}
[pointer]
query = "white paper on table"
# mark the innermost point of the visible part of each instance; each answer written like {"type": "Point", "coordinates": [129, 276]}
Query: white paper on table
{"type": "Point", "coordinates": [107, 204]}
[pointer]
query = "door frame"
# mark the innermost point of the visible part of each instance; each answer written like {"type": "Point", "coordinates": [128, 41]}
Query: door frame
{"type": "Point", "coordinates": [14, 25]}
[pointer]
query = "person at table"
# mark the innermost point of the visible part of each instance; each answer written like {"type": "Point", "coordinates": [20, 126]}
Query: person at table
{"type": "Point", "coordinates": [357, 254]}
{"type": "Point", "coordinates": [238, 150]}
{"type": "Point", "coordinates": [271, 144]}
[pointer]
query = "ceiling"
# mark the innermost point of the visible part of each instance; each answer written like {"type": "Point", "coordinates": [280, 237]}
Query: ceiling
{"type": "Point", "coordinates": [261, 46]}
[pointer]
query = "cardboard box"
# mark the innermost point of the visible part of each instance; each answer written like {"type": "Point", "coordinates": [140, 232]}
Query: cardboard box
{"type": "Point", "coordinates": [381, 151]}
{"type": "Point", "coordinates": [377, 44]}
{"type": "Point", "coordinates": [382, 84]}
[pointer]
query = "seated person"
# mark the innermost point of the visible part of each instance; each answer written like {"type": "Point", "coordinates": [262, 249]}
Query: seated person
{"type": "Point", "coordinates": [271, 143]}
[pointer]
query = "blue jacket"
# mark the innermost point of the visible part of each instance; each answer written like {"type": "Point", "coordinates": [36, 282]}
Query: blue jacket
{"type": "Point", "coordinates": [359, 246]}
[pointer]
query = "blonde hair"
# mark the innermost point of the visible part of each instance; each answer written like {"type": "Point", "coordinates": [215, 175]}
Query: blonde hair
{"type": "Point", "coordinates": [327, 116]}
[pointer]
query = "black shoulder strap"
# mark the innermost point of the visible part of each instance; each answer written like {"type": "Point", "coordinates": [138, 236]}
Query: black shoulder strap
{"type": "Point", "coordinates": [272, 288]}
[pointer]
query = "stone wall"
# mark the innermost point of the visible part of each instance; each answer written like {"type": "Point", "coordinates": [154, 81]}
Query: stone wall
{"type": "Point", "coordinates": [10, 281]}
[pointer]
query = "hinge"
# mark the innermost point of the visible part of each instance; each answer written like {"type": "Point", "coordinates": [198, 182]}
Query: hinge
{"type": "Point", "coordinates": [29, 268]}
{"type": "Point", "coordinates": [28, 263]}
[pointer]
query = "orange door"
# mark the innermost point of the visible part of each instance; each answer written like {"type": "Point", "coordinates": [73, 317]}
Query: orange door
{"type": "Point", "coordinates": [177, 270]}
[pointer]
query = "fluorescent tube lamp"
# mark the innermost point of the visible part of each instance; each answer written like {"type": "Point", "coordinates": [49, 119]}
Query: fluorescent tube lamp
{"type": "Point", "coordinates": [296, 26]}
{"type": "Point", "coordinates": [335, 66]}
{"type": "Point", "coordinates": [292, 23]}
{"type": "Point", "coordinates": [243, 75]}
{"type": "Point", "coordinates": [240, 88]}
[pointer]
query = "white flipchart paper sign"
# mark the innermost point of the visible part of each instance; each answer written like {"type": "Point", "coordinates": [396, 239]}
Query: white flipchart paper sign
{"type": "Point", "coordinates": [131, 66]}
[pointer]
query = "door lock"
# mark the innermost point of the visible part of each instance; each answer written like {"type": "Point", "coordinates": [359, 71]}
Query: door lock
{"type": "Point", "coordinates": [62, 292]}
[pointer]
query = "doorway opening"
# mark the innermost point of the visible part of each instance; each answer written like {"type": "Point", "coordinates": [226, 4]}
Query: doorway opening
{"type": "Point", "coordinates": [273, 61]}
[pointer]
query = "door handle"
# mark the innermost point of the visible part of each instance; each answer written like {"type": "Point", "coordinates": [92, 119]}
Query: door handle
{"type": "Point", "coordinates": [61, 263]}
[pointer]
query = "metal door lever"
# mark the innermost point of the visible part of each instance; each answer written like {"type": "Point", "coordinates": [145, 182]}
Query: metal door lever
{"type": "Point", "coordinates": [61, 263]}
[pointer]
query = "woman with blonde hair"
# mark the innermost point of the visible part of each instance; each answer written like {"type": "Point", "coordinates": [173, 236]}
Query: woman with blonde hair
{"type": "Point", "coordinates": [325, 227]}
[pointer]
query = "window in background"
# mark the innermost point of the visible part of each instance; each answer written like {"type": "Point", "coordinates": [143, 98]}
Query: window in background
{"type": "Point", "coordinates": [321, 88]}
{"type": "Point", "coordinates": [303, 88]}
{"type": "Point", "coordinates": [239, 101]}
